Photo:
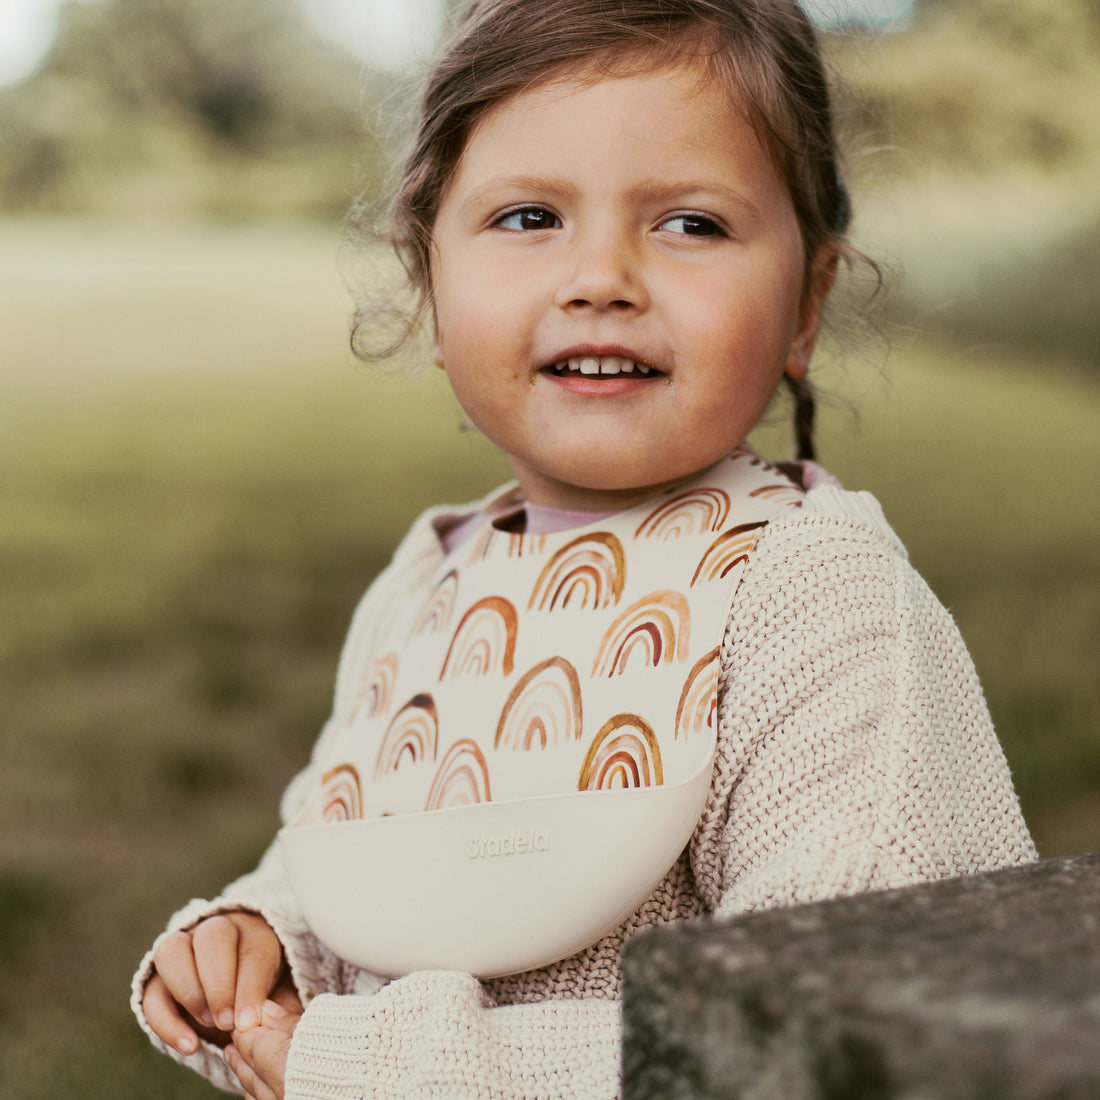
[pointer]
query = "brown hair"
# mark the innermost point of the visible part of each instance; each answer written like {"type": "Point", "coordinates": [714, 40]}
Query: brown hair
{"type": "Point", "coordinates": [766, 51]}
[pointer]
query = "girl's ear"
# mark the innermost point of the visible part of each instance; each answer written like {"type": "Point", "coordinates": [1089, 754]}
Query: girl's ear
{"type": "Point", "coordinates": [437, 356]}
{"type": "Point", "coordinates": [822, 274]}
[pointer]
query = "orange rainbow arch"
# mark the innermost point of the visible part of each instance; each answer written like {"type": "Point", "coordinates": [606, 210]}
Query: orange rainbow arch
{"type": "Point", "coordinates": [376, 696]}
{"type": "Point", "coordinates": [699, 699]}
{"type": "Point", "coordinates": [625, 754]}
{"type": "Point", "coordinates": [341, 794]}
{"type": "Point", "coordinates": [462, 778]}
{"type": "Point", "coordinates": [702, 509]}
{"type": "Point", "coordinates": [586, 573]}
{"type": "Point", "coordinates": [413, 736]}
{"type": "Point", "coordinates": [543, 709]}
{"type": "Point", "coordinates": [730, 548]}
{"type": "Point", "coordinates": [783, 492]}
{"type": "Point", "coordinates": [438, 611]}
{"type": "Point", "coordinates": [518, 546]}
{"type": "Point", "coordinates": [655, 630]}
{"type": "Point", "coordinates": [484, 642]}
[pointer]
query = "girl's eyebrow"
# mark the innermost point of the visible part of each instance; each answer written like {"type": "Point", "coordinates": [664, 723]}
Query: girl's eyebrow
{"type": "Point", "coordinates": [672, 192]}
{"type": "Point", "coordinates": [498, 188]}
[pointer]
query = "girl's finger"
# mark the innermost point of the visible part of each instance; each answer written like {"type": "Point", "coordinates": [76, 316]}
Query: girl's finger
{"type": "Point", "coordinates": [285, 995]}
{"type": "Point", "coordinates": [215, 942]}
{"type": "Point", "coordinates": [259, 964]}
{"type": "Point", "coordinates": [175, 965]}
{"type": "Point", "coordinates": [254, 1086]}
{"type": "Point", "coordinates": [162, 1014]}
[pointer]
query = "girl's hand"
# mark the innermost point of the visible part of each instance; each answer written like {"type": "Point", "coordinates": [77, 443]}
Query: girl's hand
{"type": "Point", "coordinates": [213, 979]}
{"type": "Point", "coordinates": [258, 1057]}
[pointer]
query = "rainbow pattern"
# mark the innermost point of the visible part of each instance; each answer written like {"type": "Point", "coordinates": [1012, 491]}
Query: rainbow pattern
{"type": "Point", "coordinates": [624, 754]}
{"type": "Point", "coordinates": [517, 546]}
{"type": "Point", "coordinates": [588, 572]}
{"type": "Point", "coordinates": [484, 642]}
{"type": "Point", "coordinates": [543, 709]}
{"type": "Point", "coordinates": [437, 612]}
{"type": "Point", "coordinates": [341, 794]}
{"type": "Point", "coordinates": [653, 630]}
{"type": "Point", "coordinates": [781, 493]}
{"type": "Point", "coordinates": [699, 700]}
{"type": "Point", "coordinates": [377, 694]}
{"type": "Point", "coordinates": [703, 509]}
{"type": "Point", "coordinates": [462, 778]}
{"type": "Point", "coordinates": [413, 736]}
{"type": "Point", "coordinates": [730, 548]}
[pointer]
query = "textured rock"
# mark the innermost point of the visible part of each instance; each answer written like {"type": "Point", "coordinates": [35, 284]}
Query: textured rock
{"type": "Point", "coordinates": [970, 988]}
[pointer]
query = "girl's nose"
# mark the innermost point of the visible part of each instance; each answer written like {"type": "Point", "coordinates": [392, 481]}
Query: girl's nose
{"type": "Point", "coordinates": [602, 274]}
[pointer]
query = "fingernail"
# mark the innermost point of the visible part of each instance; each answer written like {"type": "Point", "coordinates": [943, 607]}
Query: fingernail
{"type": "Point", "coordinates": [247, 1018]}
{"type": "Point", "coordinates": [225, 1019]}
{"type": "Point", "coordinates": [208, 1018]}
{"type": "Point", "coordinates": [275, 1011]}
{"type": "Point", "coordinates": [187, 1044]}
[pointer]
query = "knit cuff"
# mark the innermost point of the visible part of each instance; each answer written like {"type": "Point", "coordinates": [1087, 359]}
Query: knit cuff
{"type": "Point", "coordinates": [432, 1035]}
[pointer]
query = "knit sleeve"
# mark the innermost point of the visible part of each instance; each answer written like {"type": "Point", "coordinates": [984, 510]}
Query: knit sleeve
{"type": "Point", "coordinates": [432, 1035]}
{"type": "Point", "coordinates": [856, 749]}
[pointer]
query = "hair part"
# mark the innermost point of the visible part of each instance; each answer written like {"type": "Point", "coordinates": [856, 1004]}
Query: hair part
{"type": "Point", "coordinates": [765, 52]}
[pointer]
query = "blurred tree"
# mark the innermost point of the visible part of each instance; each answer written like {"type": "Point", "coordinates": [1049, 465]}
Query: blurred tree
{"type": "Point", "coordinates": [986, 138]}
{"type": "Point", "coordinates": [185, 106]}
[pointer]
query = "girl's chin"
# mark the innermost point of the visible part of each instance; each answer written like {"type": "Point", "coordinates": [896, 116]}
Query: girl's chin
{"type": "Point", "coordinates": [597, 486]}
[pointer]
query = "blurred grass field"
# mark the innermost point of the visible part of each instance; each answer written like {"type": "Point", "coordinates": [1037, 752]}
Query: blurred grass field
{"type": "Point", "coordinates": [198, 482]}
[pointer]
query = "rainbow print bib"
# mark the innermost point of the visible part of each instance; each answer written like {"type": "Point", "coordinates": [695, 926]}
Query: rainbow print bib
{"type": "Point", "coordinates": [585, 660]}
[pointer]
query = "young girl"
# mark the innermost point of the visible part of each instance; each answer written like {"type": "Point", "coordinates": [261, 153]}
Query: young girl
{"type": "Point", "coordinates": [624, 220]}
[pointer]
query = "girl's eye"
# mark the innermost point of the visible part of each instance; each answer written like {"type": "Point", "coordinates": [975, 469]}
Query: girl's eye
{"type": "Point", "coordinates": [529, 218]}
{"type": "Point", "coordinates": [693, 225]}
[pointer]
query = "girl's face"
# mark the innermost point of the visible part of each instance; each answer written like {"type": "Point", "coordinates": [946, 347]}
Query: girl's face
{"type": "Point", "coordinates": [618, 276]}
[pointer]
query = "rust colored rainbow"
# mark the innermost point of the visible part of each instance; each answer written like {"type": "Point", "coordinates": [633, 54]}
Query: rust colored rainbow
{"type": "Point", "coordinates": [784, 493]}
{"type": "Point", "coordinates": [341, 794]}
{"type": "Point", "coordinates": [517, 546]}
{"type": "Point", "coordinates": [377, 694]}
{"type": "Point", "coordinates": [484, 642]}
{"type": "Point", "coordinates": [437, 612]}
{"type": "Point", "coordinates": [462, 778]}
{"type": "Point", "coordinates": [544, 708]}
{"type": "Point", "coordinates": [624, 754]}
{"type": "Point", "coordinates": [655, 628]}
{"type": "Point", "coordinates": [703, 509]}
{"type": "Point", "coordinates": [412, 737]}
{"type": "Point", "coordinates": [730, 548]}
{"type": "Point", "coordinates": [699, 699]}
{"type": "Point", "coordinates": [586, 573]}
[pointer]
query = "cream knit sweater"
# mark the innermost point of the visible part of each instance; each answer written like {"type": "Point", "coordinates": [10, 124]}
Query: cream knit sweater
{"type": "Point", "coordinates": [855, 753]}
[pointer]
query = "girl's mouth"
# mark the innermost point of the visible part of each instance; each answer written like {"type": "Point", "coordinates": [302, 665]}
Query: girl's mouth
{"type": "Point", "coordinates": [600, 365]}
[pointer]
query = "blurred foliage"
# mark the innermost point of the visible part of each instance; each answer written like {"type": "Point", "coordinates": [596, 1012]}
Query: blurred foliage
{"type": "Point", "coordinates": [231, 108]}
{"type": "Point", "coordinates": [977, 150]}
{"type": "Point", "coordinates": [984, 85]}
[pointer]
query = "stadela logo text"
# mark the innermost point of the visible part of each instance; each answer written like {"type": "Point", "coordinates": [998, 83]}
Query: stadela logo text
{"type": "Point", "coordinates": [511, 844]}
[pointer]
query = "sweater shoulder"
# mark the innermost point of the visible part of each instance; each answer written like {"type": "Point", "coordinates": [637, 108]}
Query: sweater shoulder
{"type": "Point", "coordinates": [830, 513]}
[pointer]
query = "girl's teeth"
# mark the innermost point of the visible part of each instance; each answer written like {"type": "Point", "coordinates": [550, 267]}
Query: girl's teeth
{"type": "Point", "coordinates": [607, 364]}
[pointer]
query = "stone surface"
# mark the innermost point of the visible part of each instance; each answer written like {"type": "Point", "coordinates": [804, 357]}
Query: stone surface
{"type": "Point", "coordinates": [972, 988]}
